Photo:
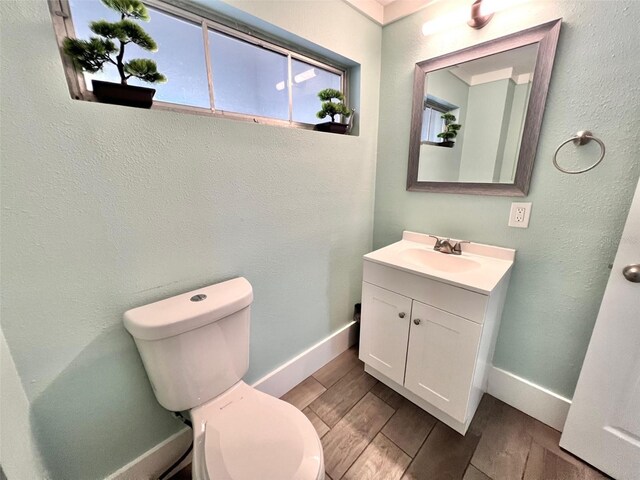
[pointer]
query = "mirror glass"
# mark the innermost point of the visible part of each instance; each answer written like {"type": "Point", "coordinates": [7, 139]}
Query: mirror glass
{"type": "Point", "coordinates": [473, 118]}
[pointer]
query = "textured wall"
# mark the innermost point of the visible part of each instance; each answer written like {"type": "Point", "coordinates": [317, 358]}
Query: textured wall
{"type": "Point", "coordinates": [105, 208]}
{"type": "Point", "coordinates": [562, 261]}
{"type": "Point", "coordinates": [19, 457]}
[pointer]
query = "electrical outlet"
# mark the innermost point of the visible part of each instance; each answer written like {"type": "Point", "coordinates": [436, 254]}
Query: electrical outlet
{"type": "Point", "coordinates": [519, 215]}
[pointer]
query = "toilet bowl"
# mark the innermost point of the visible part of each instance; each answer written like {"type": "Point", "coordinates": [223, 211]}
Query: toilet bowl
{"type": "Point", "coordinates": [245, 434]}
{"type": "Point", "coordinates": [195, 349]}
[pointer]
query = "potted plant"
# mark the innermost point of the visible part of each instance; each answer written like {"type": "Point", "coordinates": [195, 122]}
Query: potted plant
{"type": "Point", "coordinates": [92, 55]}
{"type": "Point", "coordinates": [451, 129]}
{"type": "Point", "coordinates": [332, 108]}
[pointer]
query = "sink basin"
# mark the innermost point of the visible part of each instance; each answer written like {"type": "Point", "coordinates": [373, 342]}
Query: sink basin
{"type": "Point", "coordinates": [438, 261]}
{"type": "Point", "coordinates": [480, 268]}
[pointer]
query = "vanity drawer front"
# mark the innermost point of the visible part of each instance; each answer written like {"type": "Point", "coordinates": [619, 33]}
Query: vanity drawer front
{"type": "Point", "coordinates": [461, 302]}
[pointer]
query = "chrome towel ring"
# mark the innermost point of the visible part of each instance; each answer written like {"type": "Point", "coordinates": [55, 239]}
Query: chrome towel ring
{"type": "Point", "coordinates": [581, 138]}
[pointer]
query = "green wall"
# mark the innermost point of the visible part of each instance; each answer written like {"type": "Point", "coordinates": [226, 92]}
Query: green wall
{"type": "Point", "coordinates": [563, 258]}
{"type": "Point", "coordinates": [16, 441]}
{"type": "Point", "coordinates": [105, 208]}
{"type": "Point", "coordinates": [487, 123]}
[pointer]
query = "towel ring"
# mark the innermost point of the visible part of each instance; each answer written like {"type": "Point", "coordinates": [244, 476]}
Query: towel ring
{"type": "Point", "coordinates": [581, 138]}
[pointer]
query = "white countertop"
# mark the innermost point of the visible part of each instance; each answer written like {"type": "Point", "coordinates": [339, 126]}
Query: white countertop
{"type": "Point", "coordinates": [480, 267]}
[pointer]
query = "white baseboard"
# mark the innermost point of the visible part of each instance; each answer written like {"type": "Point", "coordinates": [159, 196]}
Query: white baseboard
{"type": "Point", "coordinates": [534, 400]}
{"type": "Point", "coordinates": [287, 376]}
{"type": "Point", "coordinates": [153, 462]}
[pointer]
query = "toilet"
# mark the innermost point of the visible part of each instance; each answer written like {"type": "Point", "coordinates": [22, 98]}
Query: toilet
{"type": "Point", "coordinates": [195, 349]}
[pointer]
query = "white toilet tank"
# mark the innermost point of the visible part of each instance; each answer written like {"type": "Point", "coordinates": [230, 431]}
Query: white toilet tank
{"type": "Point", "coordinates": [194, 346]}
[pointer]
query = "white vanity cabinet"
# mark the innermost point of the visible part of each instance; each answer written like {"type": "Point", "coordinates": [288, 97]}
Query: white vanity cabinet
{"type": "Point", "coordinates": [427, 336]}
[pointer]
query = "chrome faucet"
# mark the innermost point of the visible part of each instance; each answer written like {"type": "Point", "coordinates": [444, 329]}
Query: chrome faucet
{"type": "Point", "coordinates": [446, 246]}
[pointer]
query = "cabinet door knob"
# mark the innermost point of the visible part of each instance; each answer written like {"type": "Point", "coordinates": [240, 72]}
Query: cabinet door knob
{"type": "Point", "coordinates": [632, 273]}
{"type": "Point", "coordinates": [401, 314]}
{"type": "Point", "coordinates": [417, 321]}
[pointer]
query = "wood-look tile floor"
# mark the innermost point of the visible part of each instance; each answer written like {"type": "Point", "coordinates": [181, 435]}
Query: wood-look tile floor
{"type": "Point", "coordinates": [370, 432]}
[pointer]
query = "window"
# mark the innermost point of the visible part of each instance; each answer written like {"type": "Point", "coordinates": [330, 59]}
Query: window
{"type": "Point", "coordinates": [246, 78]}
{"type": "Point", "coordinates": [432, 121]}
{"type": "Point", "coordinates": [308, 80]}
{"type": "Point", "coordinates": [180, 54]}
{"type": "Point", "coordinates": [221, 72]}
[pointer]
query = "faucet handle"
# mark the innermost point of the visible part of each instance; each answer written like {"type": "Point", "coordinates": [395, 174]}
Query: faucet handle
{"type": "Point", "coordinates": [439, 242]}
{"type": "Point", "coordinates": [438, 239]}
{"type": "Point", "coordinates": [457, 249]}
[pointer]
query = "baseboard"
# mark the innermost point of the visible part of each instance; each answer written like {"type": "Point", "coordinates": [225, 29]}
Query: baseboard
{"type": "Point", "coordinates": [153, 462]}
{"type": "Point", "coordinates": [287, 376]}
{"type": "Point", "coordinates": [534, 400]}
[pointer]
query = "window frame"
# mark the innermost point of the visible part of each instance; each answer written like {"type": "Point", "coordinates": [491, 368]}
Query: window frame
{"type": "Point", "coordinates": [63, 26]}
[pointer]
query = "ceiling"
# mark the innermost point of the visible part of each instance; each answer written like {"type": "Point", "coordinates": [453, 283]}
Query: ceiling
{"type": "Point", "coordinates": [384, 12]}
{"type": "Point", "coordinates": [520, 61]}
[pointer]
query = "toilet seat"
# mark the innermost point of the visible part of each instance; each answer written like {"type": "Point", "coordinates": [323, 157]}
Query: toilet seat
{"type": "Point", "coordinates": [249, 435]}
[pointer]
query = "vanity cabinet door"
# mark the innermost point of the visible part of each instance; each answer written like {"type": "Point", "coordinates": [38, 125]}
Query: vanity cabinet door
{"type": "Point", "coordinates": [384, 331]}
{"type": "Point", "coordinates": [441, 358]}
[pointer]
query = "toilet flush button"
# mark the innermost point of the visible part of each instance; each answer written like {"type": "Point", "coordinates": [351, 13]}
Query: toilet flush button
{"type": "Point", "coordinates": [198, 298]}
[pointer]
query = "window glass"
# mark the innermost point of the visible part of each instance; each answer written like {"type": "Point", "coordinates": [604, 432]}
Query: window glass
{"type": "Point", "coordinates": [308, 80]}
{"type": "Point", "coordinates": [247, 78]}
{"type": "Point", "coordinates": [432, 125]}
{"type": "Point", "coordinates": [180, 55]}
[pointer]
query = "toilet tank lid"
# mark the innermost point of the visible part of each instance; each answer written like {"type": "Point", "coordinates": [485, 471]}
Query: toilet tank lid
{"type": "Point", "coordinates": [188, 311]}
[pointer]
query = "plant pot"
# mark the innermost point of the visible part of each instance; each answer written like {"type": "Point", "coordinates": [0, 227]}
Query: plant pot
{"type": "Point", "coordinates": [118, 94]}
{"type": "Point", "coordinates": [332, 127]}
{"type": "Point", "coordinates": [446, 143]}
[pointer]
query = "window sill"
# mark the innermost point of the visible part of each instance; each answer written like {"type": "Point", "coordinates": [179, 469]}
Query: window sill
{"type": "Point", "coordinates": [88, 96]}
{"type": "Point", "coordinates": [436, 144]}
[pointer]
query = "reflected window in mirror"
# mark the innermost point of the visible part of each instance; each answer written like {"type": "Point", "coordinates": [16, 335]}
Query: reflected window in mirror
{"type": "Point", "coordinates": [433, 122]}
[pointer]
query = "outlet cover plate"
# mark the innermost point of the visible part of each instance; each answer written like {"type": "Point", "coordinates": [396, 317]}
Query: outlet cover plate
{"type": "Point", "coordinates": [519, 214]}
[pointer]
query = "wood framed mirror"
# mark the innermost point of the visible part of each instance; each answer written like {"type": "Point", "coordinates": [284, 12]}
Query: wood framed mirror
{"type": "Point", "coordinates": [477, 113]}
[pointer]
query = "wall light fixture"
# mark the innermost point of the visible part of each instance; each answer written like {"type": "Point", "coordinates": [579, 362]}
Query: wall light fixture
{"type": "Point", "coordinates": [481, 14]}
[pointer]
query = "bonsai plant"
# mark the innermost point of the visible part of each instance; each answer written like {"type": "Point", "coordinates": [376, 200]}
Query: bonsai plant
{"type": "Point", "coordinates": [93, 54]}
{"type": "Point", "coordinates": [451, 129]}
{"type": "Point", "coordinates": [331, 108]}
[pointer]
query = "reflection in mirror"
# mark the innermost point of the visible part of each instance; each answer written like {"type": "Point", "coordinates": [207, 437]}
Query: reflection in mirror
{"type": "Point", "coordinates": [473, 118]}
{"type": "Point", "coordinates": [476, 115]}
